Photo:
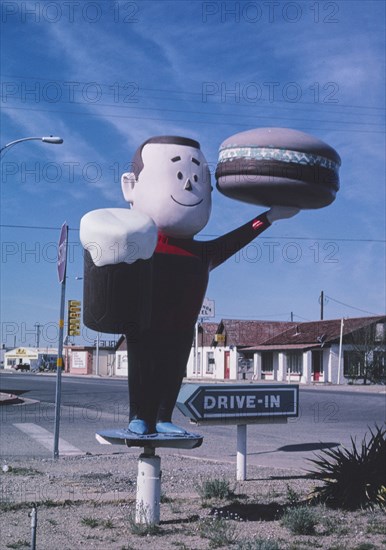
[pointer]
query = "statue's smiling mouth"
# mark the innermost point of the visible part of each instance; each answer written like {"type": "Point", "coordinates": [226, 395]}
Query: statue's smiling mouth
{"type": "Point", "coordinates": [188, 205]}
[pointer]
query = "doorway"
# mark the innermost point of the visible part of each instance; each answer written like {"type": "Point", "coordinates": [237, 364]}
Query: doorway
{"type": "Point", "coordinates": [317, 365]}
{"type": "Point", "coordinates": [226, 365]}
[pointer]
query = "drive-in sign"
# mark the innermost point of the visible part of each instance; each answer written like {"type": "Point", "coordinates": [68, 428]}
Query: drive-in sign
{"type": "Point", "coordinates": [237, 402]}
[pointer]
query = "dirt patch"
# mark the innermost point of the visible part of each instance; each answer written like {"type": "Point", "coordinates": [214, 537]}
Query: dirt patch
{"type": "Point", "coordinates": [88, 502]}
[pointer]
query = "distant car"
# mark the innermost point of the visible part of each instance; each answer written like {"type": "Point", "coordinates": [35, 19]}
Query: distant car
{"type": "Point", "coordinates": [21, 366]}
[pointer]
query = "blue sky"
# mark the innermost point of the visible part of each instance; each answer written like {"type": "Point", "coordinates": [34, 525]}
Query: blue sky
{"type": "Point", "coordinates": [107, 75]}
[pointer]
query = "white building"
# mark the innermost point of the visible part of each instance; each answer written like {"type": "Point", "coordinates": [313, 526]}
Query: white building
{"type": "Point", "coordinates": [31, 357]}
{"type": "Point", "coordinates": [333, 351]}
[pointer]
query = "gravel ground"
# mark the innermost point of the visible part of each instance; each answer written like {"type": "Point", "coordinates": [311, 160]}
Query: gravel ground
{"type": "Point", "coordinates": [88, 502]}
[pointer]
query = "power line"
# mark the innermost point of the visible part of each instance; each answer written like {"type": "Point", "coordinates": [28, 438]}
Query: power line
{"type": "Point", "coordinates": [192, 121]}
{"type": "Point", "coordinates": [250, 317]}
{"type": "Point", "coordinates": [339, 239]}
{"type": "Point", "coordinates": [190, 112]}
{"type": "Point", "coordinates": [37, 227]}
{"type": "Point", "coordinates": [286, 237]}
{"type": "Point", "coordinates": [187, 92]}
{"type": "Point", "coordinates": [352, 307]}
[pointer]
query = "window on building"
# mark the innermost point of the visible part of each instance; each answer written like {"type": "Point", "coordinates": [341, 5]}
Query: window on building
{"type": "Point", "coordinates": [295, 362]}
{"type": "Point", "coordinates": [380, 332]}
{"type": "Point", "coordinates": [379, 366]}
{"type": "Point", "coordinates": [210, 362]}
{"type": "Point", "coordinates": [267, 361]}
{"type": "Point", "coordinates": [353, 364]}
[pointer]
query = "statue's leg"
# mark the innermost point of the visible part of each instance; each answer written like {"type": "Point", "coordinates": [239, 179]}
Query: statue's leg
{"type": "Point", "coordinates": [143, 390]}
{"type": "Point", "coordinates": [172, 373]}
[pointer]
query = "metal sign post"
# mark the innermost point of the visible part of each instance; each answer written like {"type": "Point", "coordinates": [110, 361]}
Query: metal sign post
{"type": "Point", "coordinates": [240, 404]}
{"type": "Point", "coordinates": [207, 310]}
{"type": "Point", "coordinates": [62, 261]}
{"type": "Point", "coordinates": [241, 460]}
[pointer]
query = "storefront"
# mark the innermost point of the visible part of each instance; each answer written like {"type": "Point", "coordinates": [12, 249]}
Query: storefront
{"type": "Point", "coordinates": [22, 358]}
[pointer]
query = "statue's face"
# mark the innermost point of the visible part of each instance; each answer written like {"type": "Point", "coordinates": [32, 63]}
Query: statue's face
{"type": "Point", "coordinates": [173, 188]}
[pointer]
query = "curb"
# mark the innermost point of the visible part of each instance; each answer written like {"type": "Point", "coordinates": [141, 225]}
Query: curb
{"type": "Point", "coordinates": [9, 399]}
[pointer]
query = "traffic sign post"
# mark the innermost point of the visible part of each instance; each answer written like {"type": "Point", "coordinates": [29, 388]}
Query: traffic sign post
{"type": "Point", "coordinates": [61, 266]}
{"type": "Point", "coordinates": [240, 404]}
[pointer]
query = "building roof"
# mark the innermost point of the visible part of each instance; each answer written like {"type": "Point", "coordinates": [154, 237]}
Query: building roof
{"type": "Point", "coordinates": [206, 333]}
{"type": "Point", "coordinates": [121, 344]}
{"type": "Point", "coordinates": [251, 333]}
{"type": "Point", "coordinates": [274, 335]}
{"type": "Point", "coordinates": [317, 333]}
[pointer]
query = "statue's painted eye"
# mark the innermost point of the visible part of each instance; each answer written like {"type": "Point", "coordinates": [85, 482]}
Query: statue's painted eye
{"type": "Point", "coordinates": [180, 175]}
{"type": "Point", "coordinates": [195, 178]}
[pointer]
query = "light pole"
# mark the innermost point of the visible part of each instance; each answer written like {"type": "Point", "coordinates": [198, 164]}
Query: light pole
{"type": "Point", "coordinates": [46, 139]}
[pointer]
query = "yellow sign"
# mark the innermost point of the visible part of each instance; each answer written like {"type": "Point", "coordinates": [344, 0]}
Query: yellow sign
{"type": "Point", "coordinates": [74, 310]}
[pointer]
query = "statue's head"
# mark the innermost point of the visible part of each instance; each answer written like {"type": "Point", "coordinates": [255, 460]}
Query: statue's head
{"type": "Point", "coordinates": [170, 182]}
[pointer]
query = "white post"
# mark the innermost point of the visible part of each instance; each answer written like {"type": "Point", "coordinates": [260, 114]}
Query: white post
{"type": "Point", "coordinates": [241, 472]}
{"type": "Point", "coordinates": [340, 349]}
{"type": "Point", "coordinates": [97, 355]}
{"type": "Point", "coordinates": [148, 488]}
{"type": "Point", "coordinates": [195, 361]}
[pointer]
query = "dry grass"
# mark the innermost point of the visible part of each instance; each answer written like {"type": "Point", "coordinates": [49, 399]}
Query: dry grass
{"type": "Point", "coordinates": [88, 502]}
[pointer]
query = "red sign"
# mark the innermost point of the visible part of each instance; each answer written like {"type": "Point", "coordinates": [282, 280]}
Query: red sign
{"type": "Point", "coordinates": [62, 253]}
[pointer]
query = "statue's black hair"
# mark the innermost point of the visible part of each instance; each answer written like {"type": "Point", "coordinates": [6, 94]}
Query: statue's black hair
{"type": "Point", "coordinates": [137, 162]}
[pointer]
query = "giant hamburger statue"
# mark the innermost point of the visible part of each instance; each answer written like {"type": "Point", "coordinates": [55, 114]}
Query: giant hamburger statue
{"type": "Point", "coordinates": [146, 276]}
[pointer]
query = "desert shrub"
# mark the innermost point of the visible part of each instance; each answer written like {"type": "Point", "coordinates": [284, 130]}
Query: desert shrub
{"type": "Point", "coordinates": [258, 544]}
{"type": "Point", "coordinates": [214, 488]}
{"type": "Point", "coordinates": [353, 478]}
{"type": "Point", "coordinates": [300, 520]}
{"type": "Point", "coordinates": [220, 532]}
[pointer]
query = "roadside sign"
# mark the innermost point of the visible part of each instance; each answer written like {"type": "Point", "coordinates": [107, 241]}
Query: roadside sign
{"type": "Point", "coordinates": [207, 308]}
{"type": "Point", "coordinates": [62, 253]}
{"type": "Point", "coordinates": [238, 403]}
{"type": "Point", "coordinates": [74, 311]}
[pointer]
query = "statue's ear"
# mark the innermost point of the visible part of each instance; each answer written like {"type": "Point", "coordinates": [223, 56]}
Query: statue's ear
{"type": "Point", "coordinates": [128, 182]}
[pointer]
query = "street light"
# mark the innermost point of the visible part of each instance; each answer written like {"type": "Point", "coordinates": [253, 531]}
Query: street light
{"type": "Point", "coordinates": [46, 139]}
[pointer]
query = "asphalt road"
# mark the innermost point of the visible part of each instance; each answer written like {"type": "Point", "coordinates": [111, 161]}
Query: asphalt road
{"type": "Point", "coordinates": [328, 417]}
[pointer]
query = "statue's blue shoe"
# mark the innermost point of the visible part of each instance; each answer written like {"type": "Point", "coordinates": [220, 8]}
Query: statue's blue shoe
{"type": "Point", "coordinates": [169, 428]}
{"type": "Point", "coordinates": [138, 426]}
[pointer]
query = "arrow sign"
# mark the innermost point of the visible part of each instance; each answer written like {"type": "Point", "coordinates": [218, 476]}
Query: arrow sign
{"type": "Point", "coordinates": [227, 403]}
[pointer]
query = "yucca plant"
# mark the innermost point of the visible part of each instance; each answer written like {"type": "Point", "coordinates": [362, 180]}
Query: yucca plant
{"type": "Point", "coordinates": [353, 478]}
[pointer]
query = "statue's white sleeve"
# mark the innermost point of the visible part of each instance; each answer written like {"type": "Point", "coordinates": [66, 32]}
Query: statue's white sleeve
{"type": "Point", "coordinates": [115, 235]}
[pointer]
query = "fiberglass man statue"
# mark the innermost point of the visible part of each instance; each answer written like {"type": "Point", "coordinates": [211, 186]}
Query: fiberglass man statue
{"type": "Point", "coordinates": [170, 195]}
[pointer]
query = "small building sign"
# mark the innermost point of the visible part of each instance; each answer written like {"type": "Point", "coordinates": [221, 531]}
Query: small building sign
{"type": "Point", "coordinates": [237, 403]}
{"type": "Point", "coordinates": [207, 308]}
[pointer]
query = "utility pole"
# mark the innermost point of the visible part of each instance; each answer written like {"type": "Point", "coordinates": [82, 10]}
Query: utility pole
{"type": "Point", "coordinates": [37, 325]}
{"type": "Point", "coordinates": [321, 305]}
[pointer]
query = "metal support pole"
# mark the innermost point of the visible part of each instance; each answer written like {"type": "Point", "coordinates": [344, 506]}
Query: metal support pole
{"type": "Point", "coordinates": [59, 367]}
{"type": "Point", "coordinates": [195, 364]}
{"type": "Point", "coordinates": [148, 488]}
{"type": "Point", "coordinates": [59, 363]}
{"type": "Point", "coordinates": [97, 355]}
{"type": "Point", "coordinates": [34, 523]}
{"type": "Point", "coordinates": [241, 472]}
{"type": "Point", "coordinates": [340, 350]}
